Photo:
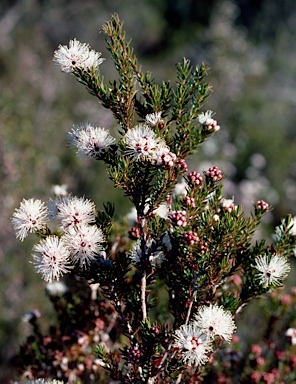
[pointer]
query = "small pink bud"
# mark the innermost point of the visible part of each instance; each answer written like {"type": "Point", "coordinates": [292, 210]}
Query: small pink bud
{"type": "Point", "coordinates": [179, 218]}
{"type": "Point", "coordinates": [195, 178]}
{"type": "Point", "coordinates": [214, 173]}
{"type": "Point", "coordinates": [262, 205]}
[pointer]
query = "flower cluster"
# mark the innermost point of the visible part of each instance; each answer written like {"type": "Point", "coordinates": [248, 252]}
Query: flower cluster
{"type": "Point", "coordinates": [228, 205]}
{"type": "Point", "coordinates": [79, 244]}
{"type": "Point", "coordinates": [77, 56]}
{"type": "Point", "coordinates": [262, 205]}
{"type": "Point", "coordinates": [214, 173]}
{"type": "Point", "coordinates": [154, 119]}
{"type": "Point", "coordinates": [30, 217]}
{"type": "Point", "coordinates": [90, 140]}
{"type": "Point", "coordinates": [195, 178]}
{"type": "Point", "coordinates": [272, 270]}
{"type": "Point", "coordinates": [191, 237]}
{"type": "Point", "coordinates": [207, 120]}
{"type": "Point", "coordinates": [179, 218]}
{"type": "Point", "coordinates": [195, 339]}
{"type": "Point", "coordinates": [142, 144]}
{"type": "Point", "coordinates": [271, 358]}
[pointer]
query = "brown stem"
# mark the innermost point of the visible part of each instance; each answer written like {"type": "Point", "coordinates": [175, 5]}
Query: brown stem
{"type": "Point", "coordinates": [143, 295]}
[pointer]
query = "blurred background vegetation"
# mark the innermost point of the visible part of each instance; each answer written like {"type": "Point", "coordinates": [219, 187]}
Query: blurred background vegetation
{"type": "Point", "coordinates": [250, 48]}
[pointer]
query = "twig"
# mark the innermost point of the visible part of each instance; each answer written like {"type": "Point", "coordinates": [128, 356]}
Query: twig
{"type": "Point", "coordinates": [190, 307]}
{"type": "Point", "coordinates": [143, 295]}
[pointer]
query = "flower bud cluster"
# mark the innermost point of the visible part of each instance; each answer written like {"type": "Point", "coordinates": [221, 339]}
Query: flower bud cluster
{"type": "Point", "coordinates": [134, 233]}
{"type": "Point", "coordinates": [195, 178]}
{"type": "Point", "coordinates": [167, 158]}
{"type": "Point", "coordinates": [134, 355]}
{"type": "Point", "coordinates": [261, 205]}
{"type": "Point", "coordinates": [214, 173]}
{"type": "Point", "coordinates": [181, 163]}
{"type": "Point", "coordinates": [179, 218]}
{"type": "Point", "coordinates": [203, 247]}
{"type": "Point", "coordinates": [189, 201]}
{"type": "Point", "coordinates": [191, 237]}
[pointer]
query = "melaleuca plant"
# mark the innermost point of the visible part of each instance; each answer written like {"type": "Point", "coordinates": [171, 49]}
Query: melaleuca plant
{"type": "Point", "coordinates": [187, 264]}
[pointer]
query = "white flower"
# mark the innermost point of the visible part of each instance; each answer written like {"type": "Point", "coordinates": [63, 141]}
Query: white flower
{"type": "Point", "coordinates": [153, 118]}
{"type": "Point", "coordinates": [90, 141]}
{"type": "Point", "coordinates": [292, 230]}
{"type": "Point", "coordinates": [216, 218]}
{"type": "Point", "coordinates": [215, 321]}
{"type": "Point", "coordinates": [194, 344]}
{"type": "Point", "coordinates": [181, 189]}
{"type": "Point", "coordinates": [132, 216]}
{"type": "Point", "coordinates": [162, 211]}
{"type": "Point", "coordinates": [142, 143]}
{"type": "Point", "coordinates": [53, 205]}
{"type": "Point", "coordinates": [84, 243]}
{"type": "Point", "coordinates": [51, 259]}
{"type": "Point", "coordinates": [272, 270]}
{"type": "Point", "coordinates": [156, 257]}
{"type": "Point", "coordinates": [56, 288]}
{"type": "Point", "coordinates": [60, 190]}
{"type": "Point", "coordinates": [31, 216]}
{"type": "Point", "coordinates": [291, 332]}
{"type": "Point", "coordinates": [75, 211]}
{"type": "Point", "coordinates": [228, 205]}
{"type": "Point", "coordinates": [205, 118]}
{"type": "Point", "coordinates": [77, 56]}
{"type": "Point", "coordinates": [93, 60]}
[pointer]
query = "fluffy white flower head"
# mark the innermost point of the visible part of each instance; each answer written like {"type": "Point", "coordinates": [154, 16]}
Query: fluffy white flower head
{"type": "Point", "coordinates": [84, 243]}
{"type": "Point", "coordinates": [215, 321]}
{"type": "Point", "coordinates": [291, 333]}
{"type": "Point", "coordinates": [75, 211]}
{"type": "Point", "coordinates": [228, 205]}
{"type": "Point", "coordinates": [162, 211]}
{"type": "Point", "coordinates": [60, 190]}
{"type": "Point", "coordinates": [90, 140]}
{"type": "Point", "coordinates": [181, 189]}
{"type": "Point", "coordinates": [194, 344]}
{"type": "Point", "coordinates": [51, 258]}
{"type": "Point", "coordinates": [56, 288]}
{"type": "Point", "coordinates": [142, 144]}
{"type": "Point", "coordinates": [272, 270]}
{"type": "Point", "coordinates": [206, 118]}
{"type": "Point", "coordinates": [77, 56]}
{"type": "Point", "coordinates": [31, 216]}
{"type": "Point", "coordinates": [153, 118]}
